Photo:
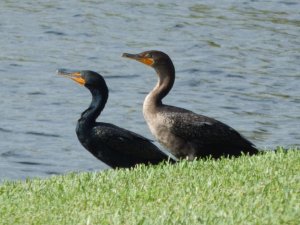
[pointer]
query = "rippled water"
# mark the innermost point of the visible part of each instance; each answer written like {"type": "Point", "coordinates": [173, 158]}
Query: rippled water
{"type": "Point", "coordinates": [235, 61]}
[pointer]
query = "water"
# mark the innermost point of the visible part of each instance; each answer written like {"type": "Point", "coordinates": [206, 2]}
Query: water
{"type": "Point", "coordinates": [235, 61]}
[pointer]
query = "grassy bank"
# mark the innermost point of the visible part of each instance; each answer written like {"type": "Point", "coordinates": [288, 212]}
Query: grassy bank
{"type": "Point", "coordinates": [263, 189]}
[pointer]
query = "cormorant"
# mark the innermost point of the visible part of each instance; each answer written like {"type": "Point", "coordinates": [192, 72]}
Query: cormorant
{"type": "Point", "coordinates": [111, 144]}
{"type": "Point", "coordinates": [184, 133]}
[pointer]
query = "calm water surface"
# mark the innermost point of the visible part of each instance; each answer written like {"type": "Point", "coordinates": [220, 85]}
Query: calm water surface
{"type": "Point", "coordinates": [236, 61]}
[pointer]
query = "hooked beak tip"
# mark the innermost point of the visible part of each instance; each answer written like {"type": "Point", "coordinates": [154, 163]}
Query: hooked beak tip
{"type": "Point", "coordinates": [130, 56]}
{"type": "Point", "coordinates": [67, 72]}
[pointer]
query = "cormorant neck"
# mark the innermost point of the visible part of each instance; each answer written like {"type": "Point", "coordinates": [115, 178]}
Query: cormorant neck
{"type": "Point", "coordinates": [93, 111]}
{"type": "Point", "coordinates": [166, 77]}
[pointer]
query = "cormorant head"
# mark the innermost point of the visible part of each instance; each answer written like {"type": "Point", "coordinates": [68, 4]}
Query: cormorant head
{"type": "Point", "coordinates": [87, 78]}
{"type": "Point", "coordinates": [151, 58]}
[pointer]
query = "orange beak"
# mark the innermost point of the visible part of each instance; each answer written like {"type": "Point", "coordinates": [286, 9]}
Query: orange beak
{"type": "Point", "coordinates": [140, 58]}
{"type": "Point", "coordinates": [76, 76]}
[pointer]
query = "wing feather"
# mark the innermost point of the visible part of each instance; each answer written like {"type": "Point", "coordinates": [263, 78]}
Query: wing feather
{"type": "Point", "coordinates": [126, 142]}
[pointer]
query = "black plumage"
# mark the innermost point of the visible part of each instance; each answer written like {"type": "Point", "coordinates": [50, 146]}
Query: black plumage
{"type": "Point", "coordinates": [115, 146]}
{"type": "Point", "coordinates": [185, 133]}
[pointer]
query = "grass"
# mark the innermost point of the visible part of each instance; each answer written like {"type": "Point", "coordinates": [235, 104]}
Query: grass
{"type": "Point", "coordinates": [263, 189]}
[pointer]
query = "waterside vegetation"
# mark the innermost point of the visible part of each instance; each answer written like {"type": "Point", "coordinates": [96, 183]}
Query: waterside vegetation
{"type": "Point", "coordinates": [262, 189]}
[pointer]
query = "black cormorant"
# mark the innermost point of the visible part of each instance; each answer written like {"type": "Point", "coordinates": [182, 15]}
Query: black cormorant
{"type": "Point", "coordinates": [111, 144]}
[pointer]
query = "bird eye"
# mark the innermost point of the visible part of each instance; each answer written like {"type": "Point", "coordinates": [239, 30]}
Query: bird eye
{"type": "Point", "coordinates": [148, 55]}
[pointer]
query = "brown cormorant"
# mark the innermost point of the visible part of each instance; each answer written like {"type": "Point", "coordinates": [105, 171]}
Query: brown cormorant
{"type": "Point", "coordinates": [111, 144]}
{"type": "Point", "coordinates": [184, 133]}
